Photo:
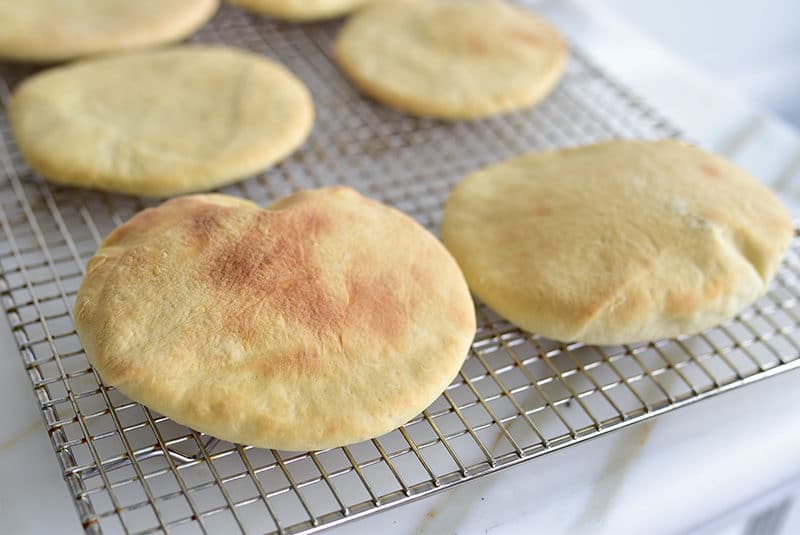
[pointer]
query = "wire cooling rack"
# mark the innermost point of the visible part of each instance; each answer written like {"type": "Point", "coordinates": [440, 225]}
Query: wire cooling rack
{"type": "Point", "coordinates": [518, 396]}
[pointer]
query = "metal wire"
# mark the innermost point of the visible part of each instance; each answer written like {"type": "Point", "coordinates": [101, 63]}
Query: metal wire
{"type": "Point", "coordinates": [518, 396]}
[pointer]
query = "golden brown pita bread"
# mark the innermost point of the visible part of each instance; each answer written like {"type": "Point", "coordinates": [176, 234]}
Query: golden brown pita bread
{"type": "Point", "coordinates": [325, 320]}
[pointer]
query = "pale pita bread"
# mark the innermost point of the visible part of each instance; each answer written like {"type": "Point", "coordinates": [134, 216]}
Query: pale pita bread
{"type": "Point", "coordinates": [161, 122]}
{"type": "Point", "coordinates": [452, 59]}
{"type": "Point", "coordinates": [617, 242]}
{"type": "Point", "coordinates": [57, 30]}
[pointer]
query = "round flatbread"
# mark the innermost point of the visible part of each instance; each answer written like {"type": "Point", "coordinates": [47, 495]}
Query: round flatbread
{"type": "Point", "coordinates": [452, 59]}
{"type": "Point", "coordinates": [160, 122]}
{"type": "Point", "coordinates": [302, 10]}
{"type": "Point", "coordinates": [618, 242]}
{"type": "Point", "coordinates": [325, 320]}
{"type": "Point", "coordinates": [57, 30]}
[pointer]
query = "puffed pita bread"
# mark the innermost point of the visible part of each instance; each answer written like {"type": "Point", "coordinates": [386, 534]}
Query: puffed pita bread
{"type": "Point", "coordinates": [327, 319]}
{"type": "Point", "coordinates": [451, 59]}
{"type": "Point", "coordinates": [617, 242]}
{"type": "Point", "coordinates": [57, 30]}
{"type": "Point", "coordinates": [160, 122]}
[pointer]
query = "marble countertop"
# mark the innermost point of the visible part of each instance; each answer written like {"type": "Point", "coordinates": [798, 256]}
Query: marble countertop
{"type": "Point", "coordinates": [665, 475]}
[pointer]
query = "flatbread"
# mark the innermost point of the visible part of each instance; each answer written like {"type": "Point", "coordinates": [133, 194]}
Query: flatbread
{"type": "Point", "coordinates": [618, 242]}
{"type": "Point", "coordinates": [57, 30]}
{"type": "Point", "coordinates": [452, 59]}
{"type": "Point", "coordinates": [160, 122]}
{"type": "Point", "coordinates": [325, 320]}
{"type": "Point", "coordinates": [302, 10]}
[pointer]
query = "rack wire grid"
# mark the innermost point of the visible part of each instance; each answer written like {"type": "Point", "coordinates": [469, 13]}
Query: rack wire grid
{"type": "Point", "coordinates": [518, 395]}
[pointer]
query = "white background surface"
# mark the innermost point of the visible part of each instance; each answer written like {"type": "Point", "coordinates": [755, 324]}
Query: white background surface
{"type": "Point", "coordinates": [669, 474]}
{"type": "Point", "coordinates": [747, 46]}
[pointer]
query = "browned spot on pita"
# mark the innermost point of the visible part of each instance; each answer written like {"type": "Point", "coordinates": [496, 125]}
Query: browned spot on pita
{"type": "Point", "coordinates": [463, 316]}
{"type": "Point", "coordinates": [542, 210]}
{"type": "Point", "coordinates": [118, 370]}
{"type": "Point", "coordinates": [711, 170]}
{"type": "Point", "coordinates": [683, 303]}
{"type": "Point", "coordinates": [526, 37]}
{"type": "Point", "coordinates": [778, 222]}
{"type": "Point", "coordinates": [424, 275]}
{"type": "Point", "coordinates": [202, 225]}
{"type": "Point", "coordinates": [272, 265]}
{"type": "Point", "coordinates": [373, 304]}
{"type": "Point", "coordinates": [617, 295]}
{"type": "Point", "coordinates": [97, 263]}
{"type": "Point", "coordinates": [686, 303]}
{"type": "Point", "coordinates": [152, 218]}
{"type": "Point", "coordinates": [141, 222]}
{"type": "Point", "coordinates": [297, 361]}
{"type": "Point", "coordinates": [630, 304]}
{"type": "Point", "coordinates": [314, 223]}
{"type": "Point", "coordinates": [477, 45]}
{"type": "Point", "coordinates": [585, 312]}
{"type": "Point", "coordinates": [305, 361]}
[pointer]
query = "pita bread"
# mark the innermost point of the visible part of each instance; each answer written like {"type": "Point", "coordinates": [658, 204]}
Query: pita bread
{"type": "Point", "coordinates": [57, 30]}
{"type": "Point", "coordinates": [302, 10]}
{"type": "Point", "coordinates": [325, 320]}
{"type": "Point", "coordinates": [161, 122]}
{"type": "Point", "coordinates": [452, 59]}
{"type": "Point", "coordinates": [618, 242]}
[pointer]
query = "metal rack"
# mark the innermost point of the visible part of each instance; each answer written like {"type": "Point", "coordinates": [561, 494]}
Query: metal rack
{"type": "Point", "coordinates": [518, 396]}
